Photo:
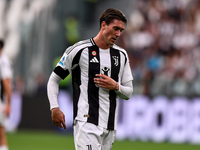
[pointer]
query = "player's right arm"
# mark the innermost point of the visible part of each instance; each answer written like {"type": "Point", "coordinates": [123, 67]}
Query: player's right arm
{"type": "Point", "coordinates": [57, 115]}
{"type": "Point", "coordinates": [61, 71]}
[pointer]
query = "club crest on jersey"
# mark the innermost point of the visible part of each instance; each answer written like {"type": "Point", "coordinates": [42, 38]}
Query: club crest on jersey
{"type": "Point", "coordinates": [94, 53]}
{"type": "Point", "coordinates": [116, 59]}
{"type": "Point", "coordinates": [62, 60]}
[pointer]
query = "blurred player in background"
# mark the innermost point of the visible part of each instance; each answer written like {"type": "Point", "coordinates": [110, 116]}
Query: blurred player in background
{"type": "Point", "coordinates": [5, 95]}
{"type": "Point", "coordinates": [100, 73]}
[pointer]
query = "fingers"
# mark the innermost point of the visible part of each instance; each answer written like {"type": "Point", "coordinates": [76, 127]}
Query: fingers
{"type": "Point", "coordinates": [63, 123]}
{"type": "Point", "coordinates": [101, 75]}
{"type": "Point", "coordinates": [58, 118]}
{"type": "Point", "coordinates": [99, 81]}
{"type": "Point", "coordinates": [100, 78]}
{"type": "Point", "coordinates": [60, 124]}
{"type": "Point", "coordinates": [105, 81]}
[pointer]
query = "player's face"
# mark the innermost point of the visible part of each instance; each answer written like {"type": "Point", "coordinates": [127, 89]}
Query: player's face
{"type": "Point", "coordinates": [112, 31]}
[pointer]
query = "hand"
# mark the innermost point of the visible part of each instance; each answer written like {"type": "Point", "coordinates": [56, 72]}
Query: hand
{"type": "Point", "coordinates": [7, 110]}
{"type": "Point", "coordinates": [58, 118]}
{"type": "Point", "coordinates": [106, 82]}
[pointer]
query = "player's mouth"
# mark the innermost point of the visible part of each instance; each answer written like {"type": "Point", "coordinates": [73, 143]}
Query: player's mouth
{"type": "Point", "coordinates": [114, 39]}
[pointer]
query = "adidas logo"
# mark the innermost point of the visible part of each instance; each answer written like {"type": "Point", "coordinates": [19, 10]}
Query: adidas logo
{"type": "Point", "coordinates": [94, 60]}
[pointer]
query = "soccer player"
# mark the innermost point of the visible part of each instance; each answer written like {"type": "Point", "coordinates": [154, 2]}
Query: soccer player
{"type": "Point", "coordinates": [5, 95]}
{"type": "Point", "coordinates": [100, 73]}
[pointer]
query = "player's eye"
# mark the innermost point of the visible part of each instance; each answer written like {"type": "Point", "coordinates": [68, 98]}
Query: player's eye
{"type": "Point", "coordinates": [118, 29]}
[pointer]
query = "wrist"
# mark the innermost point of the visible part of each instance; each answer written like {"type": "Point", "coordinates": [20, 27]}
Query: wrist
{"type": "Point", "coordinates": [54, 108]}
{"type": "Point", "coordinates": [116, 87]}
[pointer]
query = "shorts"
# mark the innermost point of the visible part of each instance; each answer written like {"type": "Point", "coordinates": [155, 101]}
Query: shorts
{"type": "Point", "coordinates": [88, 136]}
{"type": "Point", "coordinates": [2, 116]}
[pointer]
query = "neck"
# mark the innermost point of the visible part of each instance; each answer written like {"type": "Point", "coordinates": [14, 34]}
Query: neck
{"type": "Point", "coordinates": [99, 41]}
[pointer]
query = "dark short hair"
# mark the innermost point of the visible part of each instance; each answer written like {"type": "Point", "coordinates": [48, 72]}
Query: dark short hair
{"type": "Point", "coordinates": [110, 14]}
{"type": "Point", "coordinates": [1, 43]}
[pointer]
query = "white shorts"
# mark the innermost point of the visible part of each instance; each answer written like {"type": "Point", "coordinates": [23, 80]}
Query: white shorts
{"type": "Point", "coordinates": [2, 115]}
{"type": "Point", "coordinates": [88, 136]}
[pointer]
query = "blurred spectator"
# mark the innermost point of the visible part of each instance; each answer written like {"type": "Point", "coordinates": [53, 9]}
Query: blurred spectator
{"type": "Point", "coordinates": [41, 83]}
{"type": "Point", "coordinates": [163, 43]}
{"type": "Point", "coordinates": [72, 32]}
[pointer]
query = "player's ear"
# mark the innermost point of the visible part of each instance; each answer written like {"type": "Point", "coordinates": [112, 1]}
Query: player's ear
{"type": "Point", "coordinates": [103, 24]}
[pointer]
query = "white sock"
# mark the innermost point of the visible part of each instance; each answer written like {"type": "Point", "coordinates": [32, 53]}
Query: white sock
{"type": "Point", "coordinates": [4, 147]}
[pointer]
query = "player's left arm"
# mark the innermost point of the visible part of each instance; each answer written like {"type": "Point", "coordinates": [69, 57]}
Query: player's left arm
{"type": "Point", "coordinates": [123, 90]}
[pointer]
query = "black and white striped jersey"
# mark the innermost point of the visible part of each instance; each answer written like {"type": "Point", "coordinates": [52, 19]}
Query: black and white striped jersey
{"type": "Point", "coordinates": [5, 72]}
{"type": "Point", "coordinates": [84, 60]}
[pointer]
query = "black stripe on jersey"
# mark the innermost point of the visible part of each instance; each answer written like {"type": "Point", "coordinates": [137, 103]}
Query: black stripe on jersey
{"type": "Point", "coordinates": [76, 82]}
{"type": "Point", "coordinates": [117, 47]}
{"type": "Point", "coordinates": [2, 91]}
{"type": "Point", "coordinates": [92, 41]}
{"type": "Point", "coordinates": [61, 72]}
{"type": "Point", "coordinates": [93, 90]}
{"type": "Point", "coordinates": [115, 67]}
{"type": "Point", "coordinates": [125, 57]}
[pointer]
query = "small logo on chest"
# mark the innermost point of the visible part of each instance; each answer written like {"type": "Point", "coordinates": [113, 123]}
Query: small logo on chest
{"type": "Point", "coordinates": [94, 53]}
{"type": "Point", "coordinates": [94, 60]}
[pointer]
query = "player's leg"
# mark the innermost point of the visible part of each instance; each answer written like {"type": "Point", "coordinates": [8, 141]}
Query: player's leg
{"type": "Point", "coordinates": [87, 136]}
{"type": "Point", "coordinates": [108, 139]}
{"type": "Point", "coordinates": [3, 141]}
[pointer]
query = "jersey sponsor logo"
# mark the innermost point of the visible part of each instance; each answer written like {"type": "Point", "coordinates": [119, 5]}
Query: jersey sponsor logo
{"type": "Point", "coordinates": [94, 53]}
{"type": "Point", "coordinates": [105, 70]}
{"type": "Point", "coordinates": [62, 60]}
{"type": "Point", "coordinates": [116, 59]}
{"type": "Point", "coordinates": [94, 60]}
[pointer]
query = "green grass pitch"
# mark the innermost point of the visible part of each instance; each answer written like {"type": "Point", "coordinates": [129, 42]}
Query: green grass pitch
{"type": "Point", "coordinates": [45, 140]}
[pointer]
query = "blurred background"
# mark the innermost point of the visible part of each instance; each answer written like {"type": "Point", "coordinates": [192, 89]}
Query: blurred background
{"type": "Point", "coordinates": [161, 38]}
